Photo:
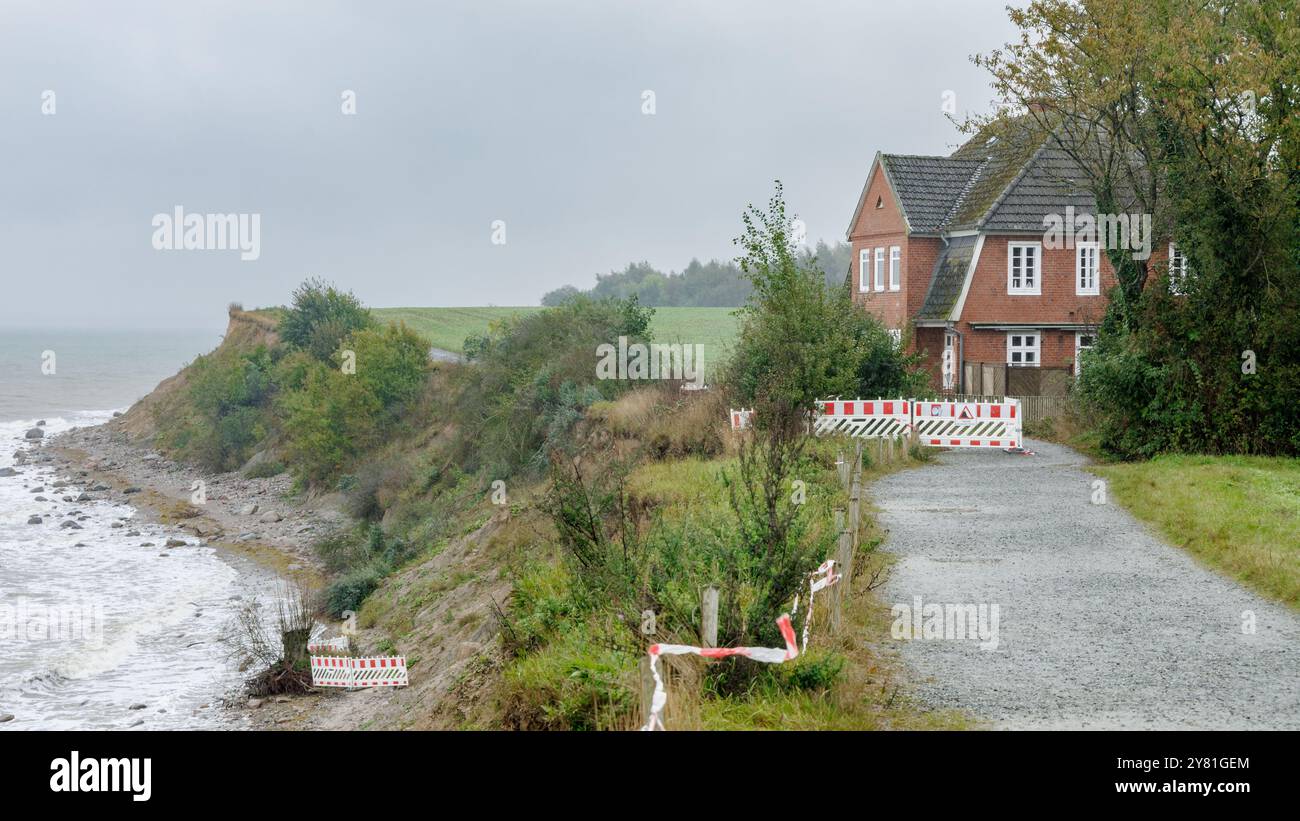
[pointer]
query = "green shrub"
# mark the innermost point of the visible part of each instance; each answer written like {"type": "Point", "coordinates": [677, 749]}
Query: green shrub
{"type": "Point", "coordinates": [351, 589]}
{"type": "Point", "coordinates": [812, 673]}
{"type": "Point", "coordinates": [321, 318]}
{"type": "Point", "coordinates": [226, 417]}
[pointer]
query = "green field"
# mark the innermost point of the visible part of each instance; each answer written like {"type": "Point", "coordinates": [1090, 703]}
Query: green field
{"type": "Point", "coordinates": [446, 328]}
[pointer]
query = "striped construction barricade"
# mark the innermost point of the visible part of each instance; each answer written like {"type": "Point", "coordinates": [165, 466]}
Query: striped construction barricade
{"type": "Point", "coordinates": [864, 418]}
{"type": "Point", "coordinates": [968, 424]}
{"type": "Point", "coordinates": [351, 673]}
{"type": "Point", "coordinates": [338, 644]}
{"type": "Point", "coordinates": [938, 423]}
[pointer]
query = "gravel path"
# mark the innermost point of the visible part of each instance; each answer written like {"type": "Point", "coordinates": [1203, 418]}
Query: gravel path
{"type": "Point", "coordinates": [1101, 623]}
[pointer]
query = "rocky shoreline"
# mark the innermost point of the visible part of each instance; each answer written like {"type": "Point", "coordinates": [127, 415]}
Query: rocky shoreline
{"type": "Point", "coordinates": [262, 519]}
{"type": "Point", "coordinates": [253, 516]}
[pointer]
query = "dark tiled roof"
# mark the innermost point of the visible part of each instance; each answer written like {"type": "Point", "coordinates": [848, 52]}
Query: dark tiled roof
{"type": "Point", "coordinates": [928, 187]}
{"type": "Point", "coordinates": [1052, 182]}
{"type": "Point", "coordinates": [1004, 154]}
{"type": "Point", "coordinates": [948, 278]}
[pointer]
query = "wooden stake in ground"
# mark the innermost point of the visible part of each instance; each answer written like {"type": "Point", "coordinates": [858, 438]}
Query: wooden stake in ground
{"type": "Point", "coordinates": [836, 597]}
{"type": "Point", "coordinates": [709, 618]}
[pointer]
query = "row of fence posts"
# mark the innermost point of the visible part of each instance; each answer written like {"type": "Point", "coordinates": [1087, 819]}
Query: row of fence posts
{"type": "Point", "coordinates": [848, 530]}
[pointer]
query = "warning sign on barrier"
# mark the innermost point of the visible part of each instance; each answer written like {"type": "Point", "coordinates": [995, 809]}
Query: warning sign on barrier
{"type": "Point", "coordinates": [969, 424]}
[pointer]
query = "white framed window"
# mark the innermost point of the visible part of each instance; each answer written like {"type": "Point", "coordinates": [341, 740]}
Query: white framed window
{"type": "Point", "coordinates": [1087, 269]}
{"type": "Point", "coordinates": [864, 269]}
{"type": "Point", "coordinates": [895, 268]}
{"type": "Point", "coordinates": [1023, 268]}
{"type": "Point", "coordinates": [1082, 342]}
{"type": "Point", "coordinates": [1177, 271]}
{"type": "Point", "coordinates": [896, 334]}
{"type": "Point", "coordinates": [880, 269]}
{"type": "Point", "coordinates": [1023, 348]}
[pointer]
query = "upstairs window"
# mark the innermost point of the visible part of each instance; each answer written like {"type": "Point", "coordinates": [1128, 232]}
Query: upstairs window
{"type": "Point", "coordinates": [1178, 271]}
{"type": "Point", "coordinates": [864, 270]}
{"type": "Point", "coordinates": [1023, 275]}
{"type": "Point", "coordinates": [1087, 262]}
{"type": "Point", "coordinates": [1022, 349]}
{"type": "Point", "coordinates": [895, 268]}
{"type": "Point", "coordinates": [880, 269]}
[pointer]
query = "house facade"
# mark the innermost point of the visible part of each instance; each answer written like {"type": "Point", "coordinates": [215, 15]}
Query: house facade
{"type": "Point", "coordinates": [951, 253]}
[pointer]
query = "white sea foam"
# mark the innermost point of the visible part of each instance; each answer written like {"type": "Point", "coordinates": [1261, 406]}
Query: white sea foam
{"type": "Point", "coordinates": [160, 618]}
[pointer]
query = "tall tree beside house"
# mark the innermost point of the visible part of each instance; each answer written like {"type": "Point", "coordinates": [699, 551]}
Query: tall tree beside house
{"type": "Point", "coordinates": [1189, 111]}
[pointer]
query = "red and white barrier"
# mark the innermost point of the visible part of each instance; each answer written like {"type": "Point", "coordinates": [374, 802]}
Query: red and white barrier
{"type": "Point", "coordinates": [939, 423]}
{"type": "Point", "coordinates": [740, 418]}
{"type": "Point", "coordinates": [968, 424]}
{"type": "Point", "coordinates": [767, 655]}
{"type": "Point", "coordinates": [375, 671]}
{"type": "Point", "coordinates": [338, 644]}
{"type": "Point", "coordinates": [865, 418]}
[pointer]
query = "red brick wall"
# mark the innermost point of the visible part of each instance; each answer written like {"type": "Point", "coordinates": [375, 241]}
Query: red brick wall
{"type": "Point", "coordinates": [988, 300]}
{"type": "Point", "coordinates": [882, 227]}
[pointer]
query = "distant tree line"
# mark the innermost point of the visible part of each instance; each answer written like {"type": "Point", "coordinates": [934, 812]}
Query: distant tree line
{"type": "Point", "coordinates": [712, 284]}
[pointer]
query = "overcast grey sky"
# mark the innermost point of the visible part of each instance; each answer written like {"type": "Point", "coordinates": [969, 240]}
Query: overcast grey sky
{"type": "Point", "coordinates": [526, 112]}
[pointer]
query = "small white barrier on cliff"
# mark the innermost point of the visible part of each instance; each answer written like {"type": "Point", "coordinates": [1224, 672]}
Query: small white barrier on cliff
{"type": "Point", "coordinates": [371, 671]}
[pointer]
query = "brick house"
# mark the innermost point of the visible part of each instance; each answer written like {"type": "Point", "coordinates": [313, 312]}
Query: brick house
{"type": "Point", "coordinates": [950, 252]}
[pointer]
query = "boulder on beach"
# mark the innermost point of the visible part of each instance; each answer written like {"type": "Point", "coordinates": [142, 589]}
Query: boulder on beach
{"type": "Point", "coordinates": [8, 472]}
{"type": "Point", "coordinates": [35, 433]}
{"type": "Point", "coordinates": [248, 510]}
{"type": "Point", "coordinates": [6, 717]}
{"type": "Point", "coordinates": [40, 424]}
{"type": "Point", "coordinates": [176, 543]}
{"type": "Point", "coordinates": [132, 489]}
{"type": "Point", "coordinates": [35, 520]}
{"type": "Point", "coordinates": [69, 525]}
{"type": "Point", "coordinates": [270, 517]}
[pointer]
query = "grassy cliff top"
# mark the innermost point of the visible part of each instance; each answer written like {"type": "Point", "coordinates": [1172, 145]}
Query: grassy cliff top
{"type": "Point", "coordinates": [446, 328]}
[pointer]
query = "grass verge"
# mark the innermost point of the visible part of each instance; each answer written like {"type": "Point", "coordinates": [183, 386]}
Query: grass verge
{"type": "Point", "coordinates": [1238, 514]}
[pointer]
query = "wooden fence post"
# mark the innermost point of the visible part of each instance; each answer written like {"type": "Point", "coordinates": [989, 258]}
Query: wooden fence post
{"type": "Point", "coordinates": [648, 688]}
{"type": "Point", "coordinates": [842, 467]}
{"type": "Point", "coordinates": [837, 598]}
{"type": "Point", "coordinates": [709, 618]}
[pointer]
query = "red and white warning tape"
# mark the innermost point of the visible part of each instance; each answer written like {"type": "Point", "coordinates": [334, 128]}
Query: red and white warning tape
{"type": "Point", "coordinates": [824, 576]}
{"type": "Point", "coordinates": [767, 655]}
{"type": "Point", "coordinates": [375, 671]}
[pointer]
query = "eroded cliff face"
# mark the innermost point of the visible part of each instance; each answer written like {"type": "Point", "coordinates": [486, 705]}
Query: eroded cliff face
{"type": "Point", "coordinates": [244, 332]}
